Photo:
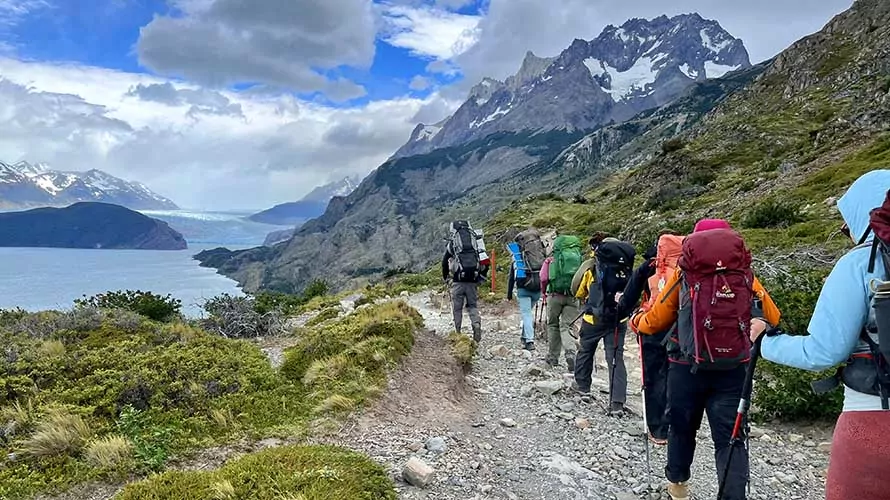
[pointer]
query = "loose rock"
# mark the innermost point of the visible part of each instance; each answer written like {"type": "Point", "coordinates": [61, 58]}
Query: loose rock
{"type": "Point", "coordinates": [508, 422]}
{"type": "Point", "coordinates": [417, 473]}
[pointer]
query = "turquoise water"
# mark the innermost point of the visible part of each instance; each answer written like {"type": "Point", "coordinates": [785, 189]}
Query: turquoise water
{"type": "Point", "coordinates": [51, 278]}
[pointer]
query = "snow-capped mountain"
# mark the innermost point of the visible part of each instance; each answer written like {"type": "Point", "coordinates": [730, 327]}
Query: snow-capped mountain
{"type": "Point", "coordinates": [26, 185]}
{"type": "Point", "coordinates": [640, 65]}
{"type": "Point", "coordinates": [310, 206]}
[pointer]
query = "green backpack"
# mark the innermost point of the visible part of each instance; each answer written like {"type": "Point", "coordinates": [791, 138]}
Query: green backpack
{"type": "Point", "coordinates": [566, 261]}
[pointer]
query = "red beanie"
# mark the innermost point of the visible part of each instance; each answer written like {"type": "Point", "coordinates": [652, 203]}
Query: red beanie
{"type": "Point", "coordinates": [706, 224]}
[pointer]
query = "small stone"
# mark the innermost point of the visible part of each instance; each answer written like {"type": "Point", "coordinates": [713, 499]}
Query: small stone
{"type": "Point", "coordinates": [766, 438]}
{"type": "Point", "coordinates": [549, 387]}
{"type": "Point", "coordinates": [799, 457]}
{"type": "Point", "coordinates": [567, 406]}
{"type": "Point", "coordinates": [582, 423]}
{"type": "Point", "coordinates": [486, 488]}
{"type": "Point", "coordinates": [621, 451]}
{"type": "Point", "coordinates": [499, 350]}
{"type": "Point", "coordinates": [527, 390]}
{"type": "Point", "coordinates": [635, 429]}
{"type": "Point", "coordinates": [417, 473]}
{"type": "Point", "coordinates": [415, 446]}
{"type": "Point", "coordinates": [404, 293]}
{"type": "Point", "coordinates": [475, 465]}
{"type": "Point", "coordinates": [565, 415]}
{"type": "Point", "coordinates": [525, 354]}
{"type": "Point", "coordinates": [511, 496]}
{"type": "Point", "coordinates": [756, 432]}
{"type": "Point", "coordinates": [824, 447]}
{"type": "Point", "coordinates": [508, 422]}
{"type": "Point", "coordinates": [436, 445]}
{"type": "Point", "coordinates": [533, 371]}
{"type": "Point", "coordinates": [795, 438]}
{"type": "Point", "coordinates": [624, 495]}
{"type": "Point", "coordinates": [810, 444]}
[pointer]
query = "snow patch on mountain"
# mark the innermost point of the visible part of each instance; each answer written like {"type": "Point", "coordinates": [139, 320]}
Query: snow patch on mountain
{"type": "Point", "coordinates": [714, 70]}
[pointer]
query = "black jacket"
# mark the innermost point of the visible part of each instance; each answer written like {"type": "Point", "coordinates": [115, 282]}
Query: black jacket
{"type": "Point", "coordinates": [636, 285]}
{"type": "Point", "coordinates": [446, 270]}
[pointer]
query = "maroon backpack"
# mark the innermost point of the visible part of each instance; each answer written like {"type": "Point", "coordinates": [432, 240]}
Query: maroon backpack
{"type": "Point", "coordinates": [716, 293]}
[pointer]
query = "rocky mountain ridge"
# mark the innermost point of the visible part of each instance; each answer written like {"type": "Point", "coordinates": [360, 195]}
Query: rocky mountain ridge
{"type": "Point", "coordinates": [26, 185]}
{"type": "Point", "coordinates": [640, 65]}
{"type": "Point", "coordinates": [310, 206]}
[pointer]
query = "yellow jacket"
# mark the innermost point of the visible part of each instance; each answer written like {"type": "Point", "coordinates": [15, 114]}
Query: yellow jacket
{"type": "Point", "coordinates": [588, 279]}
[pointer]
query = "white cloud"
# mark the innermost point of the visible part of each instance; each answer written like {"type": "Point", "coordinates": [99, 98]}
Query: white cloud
{"type": "Point", "coordinates": [419, 83]}
{"type": "Point", "coordinates": [277, 149]}
{"type": "Point", "coordinates": [428, 31]}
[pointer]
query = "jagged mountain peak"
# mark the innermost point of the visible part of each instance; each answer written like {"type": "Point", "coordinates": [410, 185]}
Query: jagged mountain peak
{"type": "Point", "coordinates": [639, 65]}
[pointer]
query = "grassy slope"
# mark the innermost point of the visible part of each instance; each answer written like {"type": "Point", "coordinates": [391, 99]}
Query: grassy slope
{"type": "Point", "coordinates": [106, 396]}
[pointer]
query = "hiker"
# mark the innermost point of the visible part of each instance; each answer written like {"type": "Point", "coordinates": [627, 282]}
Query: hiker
{"type": "Point", "coordinates": [707, 368]}
{"type": "Point", "coordinates": [557, 273]}
{"type": "Point", "coordinates": [847, 318]}
{"type": "Point", "coordinates": [466, 264]}
{"type": "Point", "coordinates": [525, 276]}
{"type": "Point", "coordinates": [602, 278]}
{"type": "Point", "coordinates": [647, 281]}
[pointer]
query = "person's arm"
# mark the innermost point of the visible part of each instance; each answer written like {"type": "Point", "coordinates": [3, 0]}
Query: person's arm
{"type": "Point", "coordinates": [769, 309]}
{"type": "Point", "coordinates": [838, 319]}
{"type": "Point", "coordinates": [584, 287]}
{"type": "Point", "coordinates": [634, 289]}
{"type": "Point", "coordinates": [545, 274]}
{"type": "Point", "coordinates": [663, 313]}
{"type": "Point", "coordinates": [511, 281]}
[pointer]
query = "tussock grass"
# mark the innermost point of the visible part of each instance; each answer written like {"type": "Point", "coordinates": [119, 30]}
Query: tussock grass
{"type": "Point", "coordinates": [110, 452]}
{"type": "Point", "coordinates": [59, 433]}
{"type": "Point", "coordinates": [463, 348]}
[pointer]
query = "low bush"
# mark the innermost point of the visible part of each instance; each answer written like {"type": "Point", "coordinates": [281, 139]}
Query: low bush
{"type": "Point", "coordinates": [672, 145]}
{"type": "Point", "coordinates": [463, 348]}
{"type": "Point", "coordinates": [242, 317]}
{"type": "Point", "coordinates": [152, 306]}
{"type": "Point", "coordinates": [772, 213]}
{"type": "Point", "coordinates": [297, 472]}
{"type": "Point", "coordinates": [77, 405]}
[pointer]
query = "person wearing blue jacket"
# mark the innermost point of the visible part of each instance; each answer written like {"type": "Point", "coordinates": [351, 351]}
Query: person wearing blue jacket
{"type": "Point", "coordinates": [860, 454]}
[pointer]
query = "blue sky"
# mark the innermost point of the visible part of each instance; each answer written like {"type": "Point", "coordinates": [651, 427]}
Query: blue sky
{"type": "Point", "coordinates": [243, 104]}
{"type": "Point", "coordinates": [104, 33]}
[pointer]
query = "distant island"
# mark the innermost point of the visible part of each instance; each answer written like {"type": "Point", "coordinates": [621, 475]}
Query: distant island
{"type": "Point", "coordinates": [87, 225]}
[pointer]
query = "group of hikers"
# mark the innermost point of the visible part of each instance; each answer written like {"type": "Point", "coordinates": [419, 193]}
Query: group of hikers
{"type": "Point", "coordinates": [702, 319]}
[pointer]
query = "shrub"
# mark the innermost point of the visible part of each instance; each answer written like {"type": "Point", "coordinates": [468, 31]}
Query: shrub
{"type": "Point", "coordinates": [60, 433]}
{"type": "Point", "coordinates": [239, 317]}
{"type": "Point", "coordinates": [110, 452]}
{"type": "Point", "coordinates": [782, 391]}
{"type": "Point", "coordinates": [772, 213]}
{"type": "Point", "coordinates": [672, 145]}
{"type": "Point", "coordinates": [463, 348]}
{"type": "Point", "coordinates": [306, 472]}
{"type": "Point", "coordinates": [150, 305]}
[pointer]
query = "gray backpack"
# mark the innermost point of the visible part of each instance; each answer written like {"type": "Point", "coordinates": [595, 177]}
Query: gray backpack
{"type": "Point", "coordinates": [464, 248]}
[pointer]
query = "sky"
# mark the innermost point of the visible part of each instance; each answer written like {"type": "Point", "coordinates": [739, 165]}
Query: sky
{"type": "Point", "coordinates": [242, 104]}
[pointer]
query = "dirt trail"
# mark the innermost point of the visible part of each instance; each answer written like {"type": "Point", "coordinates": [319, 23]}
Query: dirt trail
{"type": "Point", "coordinates": [552, 447]}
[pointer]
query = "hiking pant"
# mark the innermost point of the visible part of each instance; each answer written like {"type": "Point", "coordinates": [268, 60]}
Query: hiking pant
{"type": "Point", "coordinates": [561, 311]}
{"type": "Point", "coordinates": [527, 301]}
{"type": "Point", "coordinates": [859, 456]}
{"type": "Point", "coordinates": [655, 373]}
{"type": "Point", "coordinates": [718, 394]}
{"type": "Point", "coordinates": [612, 333]}
{"type": "Point", "coordinates": [465, 293]}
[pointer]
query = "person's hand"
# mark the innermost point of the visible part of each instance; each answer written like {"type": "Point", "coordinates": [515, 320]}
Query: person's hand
{"type": "Point", "coordinates": [758, 326]}
{"type": "Point", "coordinates": [634, 321]}
{"type": "Point", "coordinates": [618, 296]}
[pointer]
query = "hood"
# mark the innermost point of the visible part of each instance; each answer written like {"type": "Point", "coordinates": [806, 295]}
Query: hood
{"type": "Point", "coordinates": [865, 194]}
{"type": "Point", "coordinates": [706, 224]}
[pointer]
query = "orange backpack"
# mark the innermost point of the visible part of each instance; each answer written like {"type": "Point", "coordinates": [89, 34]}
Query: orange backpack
{"type": "Point", "coordinates": [670, 248]}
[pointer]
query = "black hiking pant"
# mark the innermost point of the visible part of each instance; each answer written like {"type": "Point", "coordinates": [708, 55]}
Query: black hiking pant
{"type": "Point", "coordinates": [718, 394]}
{"type": "Point", "coordinates": [612, 333]}
{"type": "Point", "coordinates": [655, 373]}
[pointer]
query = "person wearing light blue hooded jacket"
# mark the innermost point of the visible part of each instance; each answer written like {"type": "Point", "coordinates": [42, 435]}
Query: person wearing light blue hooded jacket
{"type": "Point", "coordinates": [860, 456]}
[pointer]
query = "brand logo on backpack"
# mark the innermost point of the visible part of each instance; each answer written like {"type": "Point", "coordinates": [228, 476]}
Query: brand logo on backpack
{"type": "Point", "coordinates": [725, 292]}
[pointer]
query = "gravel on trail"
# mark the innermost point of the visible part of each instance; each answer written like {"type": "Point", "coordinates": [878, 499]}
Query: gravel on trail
{"type": "Point", "coordinates": [512, 428]}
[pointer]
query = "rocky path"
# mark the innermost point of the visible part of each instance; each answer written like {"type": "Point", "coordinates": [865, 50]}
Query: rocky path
{"type": "Point", "coordinates": [502, 432]}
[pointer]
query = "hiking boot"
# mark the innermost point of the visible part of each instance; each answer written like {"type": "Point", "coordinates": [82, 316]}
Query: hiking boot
{"type": "Point", "coordinates": [616, 408]}
{"type": "Point", "coordinates": [570, 362]}
{"type": "Point", "coordinates": [477, 334]}
{"type": "Point", "coordinates": [678, 491]}
{"type": "Point", "coordinates": [552, 363]}
{"type": "Point", "coordinates": [529, 346]}
{"type": "Point", "coordinates": [658, 440]}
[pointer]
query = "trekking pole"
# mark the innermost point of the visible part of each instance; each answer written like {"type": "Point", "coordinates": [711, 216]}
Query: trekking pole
{"type": "Point", "coordinates": [645, 417]}
{"type": "Point", "coordinates": [614, 365]}
{"type": "Point", "coordinates": [744, 405]}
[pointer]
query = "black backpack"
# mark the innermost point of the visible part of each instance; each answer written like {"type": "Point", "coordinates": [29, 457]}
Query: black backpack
{"type": "Point", "coordinates": [614, 267]}
{"type": "Point", "coordinates": [464, 248]}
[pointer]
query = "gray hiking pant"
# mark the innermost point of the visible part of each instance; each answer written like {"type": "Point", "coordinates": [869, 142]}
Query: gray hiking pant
{"type": "Point", "coordinates": [561, 311]}
{"type": "Point", "coordinates": [465, 293]}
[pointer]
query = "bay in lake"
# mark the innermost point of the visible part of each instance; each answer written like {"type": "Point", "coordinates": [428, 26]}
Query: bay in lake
{"type": "Point", "coordinates": [52, 278]}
